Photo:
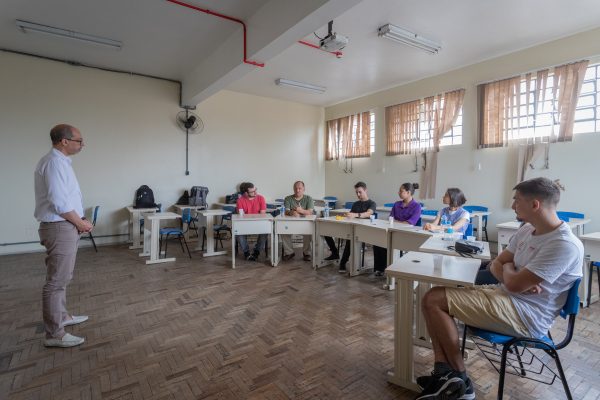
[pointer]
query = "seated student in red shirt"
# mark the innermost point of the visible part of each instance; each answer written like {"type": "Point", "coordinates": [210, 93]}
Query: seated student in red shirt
{"type": "Point", "coordinates": [252, 203]}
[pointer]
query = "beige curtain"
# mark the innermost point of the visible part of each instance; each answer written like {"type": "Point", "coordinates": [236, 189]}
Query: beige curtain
{"type": "Point", "coordinates": [332, 141]}
{"type": "Point", "coordinates": [402, 127]}
{"type": "Point", "coordinates": [360, 144]}
{"type": "Point", "coordinates": [441, 112]}
{"type": "Point", "coordinates": [497, 110]}
{"type": "Point", "coordinates": [349, 137]}
{"type": "Point", "coordinates": [501, 111]}
{"type": "Point", "coordinates": [567, 86]}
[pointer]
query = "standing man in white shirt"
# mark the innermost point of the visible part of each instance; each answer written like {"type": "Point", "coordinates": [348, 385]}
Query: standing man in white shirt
{"type": "Point", "coordinates": [59, 209]}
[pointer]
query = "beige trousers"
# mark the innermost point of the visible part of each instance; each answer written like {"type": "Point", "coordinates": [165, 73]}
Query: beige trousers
{"type": "Point", "coordinates": [60, 240]}
{"type": "Point", "coordinates": [286, 242]}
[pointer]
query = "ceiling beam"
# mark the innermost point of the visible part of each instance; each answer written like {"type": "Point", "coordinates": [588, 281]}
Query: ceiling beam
{"type": "Point", "coordinates": [273, 28]}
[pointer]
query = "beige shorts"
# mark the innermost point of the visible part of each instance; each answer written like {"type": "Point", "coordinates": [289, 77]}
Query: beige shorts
{"type": "Point", "coordinates": [486, 307]}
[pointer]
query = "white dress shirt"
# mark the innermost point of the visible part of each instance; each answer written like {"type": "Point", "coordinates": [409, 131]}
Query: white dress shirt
{"type": "Point", "coordinates": [56, 188]}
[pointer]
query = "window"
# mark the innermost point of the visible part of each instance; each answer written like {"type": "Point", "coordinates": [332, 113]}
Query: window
{"type": "Point", "coordinates": [587, 113]}
{"type": "Point", "coordinates": [413, 127]}
{"type": "Point", "coordinates": [351, 137]}
{"type": "Point", "coordinates": [538, 107]}
{"type": "Point", "coordinates": [450, 138]}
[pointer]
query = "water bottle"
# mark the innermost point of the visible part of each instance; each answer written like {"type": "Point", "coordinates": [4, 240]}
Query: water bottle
{"type": "Point", "coordinates": [391, 220]}
{"type": "Point", "coordinates": [241, 212]}
{"type": "Point", "coordinates": [372, 218]}
{"type": "Point", "coordinates": [326, 211]}
{"type": "Point", "coordinates": [282, 211]}
{"type": "Point", "coordinates": [446, 228]}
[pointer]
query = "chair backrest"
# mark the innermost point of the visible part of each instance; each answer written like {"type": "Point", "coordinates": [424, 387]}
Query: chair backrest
{"type": "Point", "coordinates": [348, 204]}
{"type": "Point", "coordinates": [570, 310]}
{"type": "Point", "coordinates": [95, 215]}
{"type": "Point", "coordinates": [331, 201]}
{"type": "Point", "coordinates": [389, 205]}
{"type": "Point", "coordinates": [186, 215]}
{"type": "Point", "coordinates": [571, 306]}
{"type": "Point", "coordinates": [468, 231]}
{"type": "Point", "coordinates": [567, 215]}
{"type": "Point", "coordinates": [472, 209]}
{"type": "Point", "coordinates": [422, 204]}
{"type": "Point", "coordinates": [231, 209]}
{"type": "Point", "coordinates": [429, 212]}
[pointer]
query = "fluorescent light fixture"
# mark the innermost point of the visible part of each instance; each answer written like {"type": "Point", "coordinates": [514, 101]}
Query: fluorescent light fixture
{"type": "Point", "coordinates": [408, 38]}
{"type": "Point", "coordinates": [64, 33]}
{"type": "Point", "coordinates": [300, 85]}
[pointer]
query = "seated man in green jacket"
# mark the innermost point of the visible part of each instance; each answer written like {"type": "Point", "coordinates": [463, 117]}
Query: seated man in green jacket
{"type": "Point", "coordinates": [297, 205]}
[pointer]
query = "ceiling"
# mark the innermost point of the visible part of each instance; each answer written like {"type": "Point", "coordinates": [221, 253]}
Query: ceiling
{"type": "Point", "coordinates": [166, 40]}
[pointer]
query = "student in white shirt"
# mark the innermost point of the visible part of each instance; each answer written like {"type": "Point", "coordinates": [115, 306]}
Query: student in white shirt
{"type": "Point", "coordinates": [535, 273]}
{"type": "Point", "coordinates": [59, 209]}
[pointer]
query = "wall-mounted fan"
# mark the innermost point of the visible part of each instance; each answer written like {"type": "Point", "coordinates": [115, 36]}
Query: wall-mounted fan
{"type": "Point", "coordinates": [191, 124]}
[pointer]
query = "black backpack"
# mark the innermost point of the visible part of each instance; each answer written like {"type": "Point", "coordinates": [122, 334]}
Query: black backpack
{"type": "Point", "coordinates": [198, 196]}
{"type": "Point", "coordinates": [184, 200]}
{"type": "Point", "coordinates": [144, 198]}
{"type": "Point", "coordinates": [232, 198]}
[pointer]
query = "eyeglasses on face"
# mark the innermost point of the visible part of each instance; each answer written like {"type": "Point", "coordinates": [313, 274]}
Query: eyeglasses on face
{"type": "Point", "coordinates": [80, 141]}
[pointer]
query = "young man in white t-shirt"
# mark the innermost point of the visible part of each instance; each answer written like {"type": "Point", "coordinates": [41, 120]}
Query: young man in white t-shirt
{"type": "Point", "coordinates": [535, 273]}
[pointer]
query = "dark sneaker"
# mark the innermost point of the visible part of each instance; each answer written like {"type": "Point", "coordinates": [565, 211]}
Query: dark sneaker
{"type": "Point", "coordinates": [332, 257]}
{"type": "Point", "coordinates": [426, 380]}
{"type": "Point", "coordinates": [379, 273]}
{"type": "Point", "coordinates": [342, 269]}
{"type": "Point", "coordinates": [251, 258]}
{"type": "Point", "coordinates": [447, 387]}
{"type": "Point", "coordinates": [307, 257]}
{"type": "Point", "coordinates": [470, 392]}
{"type": "Point", "coordinates": [287, 257]}
{"type": "Point", "coordinates": [255, 256]}
{"type": "Point", "coordinates": [247, 255]}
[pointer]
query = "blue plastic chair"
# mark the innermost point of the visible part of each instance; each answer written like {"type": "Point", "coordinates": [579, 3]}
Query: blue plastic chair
{"type": "Point", "coordinates": [331, 201]}
{"type": "Point", "coordinates": [567, 215]}
{"type": "Point", "coordinates": [186, 217]}
{"type": "Point", "coordinates": [517, 346]}
{"type": "Point", "coordinates": [426, 212]}
{"type": "Point", "coordinates": [468, 231]}
{"type": "Point", "coordinates": [472, 209]}
{"type": "Point", "coordinates": [222, 227]}
{"type": "Point", "coordinates": [90, 236]}
{"type": "Point", "coordinates": [389, 204]}
{"type": "Point", "coordinates": [348, 205]}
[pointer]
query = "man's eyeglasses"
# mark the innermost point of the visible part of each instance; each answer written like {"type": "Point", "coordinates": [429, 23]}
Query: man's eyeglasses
{"type": "Point", "coordinates": [80, 141]}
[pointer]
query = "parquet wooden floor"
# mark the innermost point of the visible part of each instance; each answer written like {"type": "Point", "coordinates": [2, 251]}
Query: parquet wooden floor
{"type": "Point", "coordinates": [196, 329]}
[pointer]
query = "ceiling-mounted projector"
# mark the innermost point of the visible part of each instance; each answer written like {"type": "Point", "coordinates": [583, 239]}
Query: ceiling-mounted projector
{"type": "Point", "coordinates": [333, 41]}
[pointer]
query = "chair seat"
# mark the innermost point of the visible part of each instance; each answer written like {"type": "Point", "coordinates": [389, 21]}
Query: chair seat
{"type": "Point", "coordinates": [498, 338]}
{"type": "Point", "coordinates": [221, 227]}
{"type": "Point", "coordinates": [171, 231]}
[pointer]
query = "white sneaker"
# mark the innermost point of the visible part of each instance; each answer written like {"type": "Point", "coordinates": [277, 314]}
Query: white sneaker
{"type": "Point", "coordinates": [66, 341]}
{"type": "Point", "coordinates": [76, 319]}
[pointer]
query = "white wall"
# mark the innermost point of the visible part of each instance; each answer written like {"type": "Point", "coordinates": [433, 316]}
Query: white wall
{"type": "Point", "coordinates": [573, 163]}
{"type": "Point", "coordinates": [131, 139]}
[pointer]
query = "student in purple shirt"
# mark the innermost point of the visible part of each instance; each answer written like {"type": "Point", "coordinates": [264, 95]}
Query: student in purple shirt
{"type": "Point", "coordinates": [405, 211]}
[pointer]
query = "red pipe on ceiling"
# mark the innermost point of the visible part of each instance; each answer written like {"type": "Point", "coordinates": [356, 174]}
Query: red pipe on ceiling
{"type": "Point", "coordinates": [216, 14]}
{"type": "Point", "coordinates": [338, 54]}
